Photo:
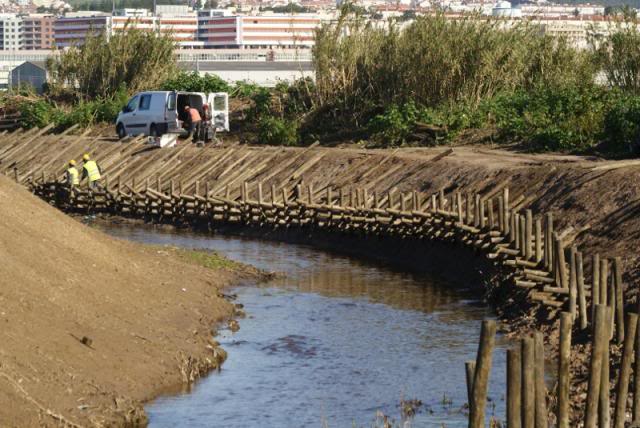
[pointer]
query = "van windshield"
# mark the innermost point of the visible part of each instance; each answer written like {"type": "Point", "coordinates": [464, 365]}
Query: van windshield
{"type": "Point", "coordinates": [132, 105]}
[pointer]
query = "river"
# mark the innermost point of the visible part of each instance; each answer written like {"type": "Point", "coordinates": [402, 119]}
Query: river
{"type": "Point", "coordinates": [335, 342]}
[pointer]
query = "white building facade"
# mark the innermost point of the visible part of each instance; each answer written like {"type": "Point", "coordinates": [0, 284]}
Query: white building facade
{"type": "Point", "coordinates": [217, 30]}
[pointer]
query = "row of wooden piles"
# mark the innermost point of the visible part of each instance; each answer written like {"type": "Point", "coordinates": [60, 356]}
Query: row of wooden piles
{"type": "Point", "coordinates": [540, 260]}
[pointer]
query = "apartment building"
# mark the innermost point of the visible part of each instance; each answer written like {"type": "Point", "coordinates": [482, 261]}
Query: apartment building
{"type": "Point", "coordinates": [217, 30]}
{"type": "Point", "coordinates": [73, 28]}
{"type": "Point", "coordinates": [38, 31]}
{"type": "Point", "coordinates": [11, 32]}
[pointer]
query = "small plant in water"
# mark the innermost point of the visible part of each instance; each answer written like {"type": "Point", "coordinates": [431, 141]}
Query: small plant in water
{"type": "Point", "coordinates": [446, 401]}
{"type": "Point", "coordinates": [495, 423]}
{"type": "Point", "coordinates": [409, 408]}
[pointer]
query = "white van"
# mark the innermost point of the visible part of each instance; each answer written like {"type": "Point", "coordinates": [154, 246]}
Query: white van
{"type": "Point", "coordinates": [156, 113]}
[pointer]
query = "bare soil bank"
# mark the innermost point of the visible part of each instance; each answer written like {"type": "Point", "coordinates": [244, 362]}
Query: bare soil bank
{"type": "Point", "coordinates": [147, 312]}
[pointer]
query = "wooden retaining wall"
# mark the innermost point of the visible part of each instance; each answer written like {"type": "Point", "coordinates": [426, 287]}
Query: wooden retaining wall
{"type": "Point", "coordinates": [242, 186]}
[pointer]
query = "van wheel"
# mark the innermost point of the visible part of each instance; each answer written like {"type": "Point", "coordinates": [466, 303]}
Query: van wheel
{"type": "Point", "coordinates": [153, 130]}
{"type": "Point", "coordinates": [120, 130]}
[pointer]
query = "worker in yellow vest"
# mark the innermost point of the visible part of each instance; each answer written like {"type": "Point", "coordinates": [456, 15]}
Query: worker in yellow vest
{"type": "Point", "coordinates": [91, 170]}
{"type": "Point", "coordinates": [73, 176]}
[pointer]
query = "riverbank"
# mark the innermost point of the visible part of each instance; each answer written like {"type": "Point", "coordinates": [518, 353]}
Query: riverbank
{"type": "Point", "coordinates": [593, 202]}
{"type": "Point", "coordinates": [92, 327]}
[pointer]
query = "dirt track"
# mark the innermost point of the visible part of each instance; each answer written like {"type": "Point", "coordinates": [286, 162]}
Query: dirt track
{"type": "Point", "coordinates": [148, 314]}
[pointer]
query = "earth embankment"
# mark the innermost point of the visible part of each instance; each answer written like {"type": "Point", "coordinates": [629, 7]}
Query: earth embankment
{"type": "Point", "coordinates": [145, 315]}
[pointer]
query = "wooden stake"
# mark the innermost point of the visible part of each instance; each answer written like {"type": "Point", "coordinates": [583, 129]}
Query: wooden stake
{"type": "Point", "coordinates": [600, 343]}
{"type": "Point", "coordinates": [523, 236]}
{"type": "Point", "coordinates": [636, 381]}
{"type": "Point", "coordinates": [624, 376]}
{"type": "Point", "coordinates": [528, 383]}
{"type": "Point", "coordinates": [538, 235]}
{"type": "Point", "coordinates": [481, 378]}
{"type": "Point", "coordinates": [564, 373]}
{"type": "Point", "coordinates": [516, 230]}
{"type": "Point", "coordinates": [619, 292]}
{"type": "Point", "coordinates": [528, 237]}
{"type": "Point", "coordinates": [541, 391]}
{"type": "Point", "coordinates": [470, 371]}
{"type": "Point", "coordinates": [573, 283]}
{"type": "Point", "coordinates": [492, 220]}
{"type": "Point", "coordinates": [501, 213]}
{"type": "Point", "coordinates": [582, 298]}
{"type": "Point", "coordinates": [604, 406]}
{"type": "Point", "coordinates": [514, 387]}
{"type": "Point", "coordinates": [595, 285]}
{"type": "Point", "coordinates": [561, 265]}
{"type": "Point", "coordinates": [548, 243]}
{"type": "Point", "coordinates": [476, 214]}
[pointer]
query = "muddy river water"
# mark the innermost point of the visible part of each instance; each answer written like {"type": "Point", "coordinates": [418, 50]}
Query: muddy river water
{"type": "Point", "coordinates": [336, 342]}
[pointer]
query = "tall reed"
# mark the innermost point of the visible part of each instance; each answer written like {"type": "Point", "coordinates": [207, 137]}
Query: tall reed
{"type": "Point", "coordinates": [361, 67]}
{"type": "Point", "coordinates": [132, 57]}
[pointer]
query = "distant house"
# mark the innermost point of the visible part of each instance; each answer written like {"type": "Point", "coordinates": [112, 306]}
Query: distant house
{"type": "Point", "coordinates": [29, 73]}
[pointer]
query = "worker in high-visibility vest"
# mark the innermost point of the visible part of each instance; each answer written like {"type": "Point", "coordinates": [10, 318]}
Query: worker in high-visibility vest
{"type": "Point", "coordinates": [73, 176]}
{"type": "Point", "coordinates": [91, 170]}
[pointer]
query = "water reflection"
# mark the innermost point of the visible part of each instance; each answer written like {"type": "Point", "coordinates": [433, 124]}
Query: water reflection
{"type": "Point", "coordinates": [332, 342]}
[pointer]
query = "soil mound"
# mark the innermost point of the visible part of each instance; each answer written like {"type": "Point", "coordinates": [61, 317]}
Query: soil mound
{"type": "Point", "coordinates": [144, 313]}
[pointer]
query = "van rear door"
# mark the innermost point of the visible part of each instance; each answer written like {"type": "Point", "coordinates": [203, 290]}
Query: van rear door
{"type": "Point", "coordinates": [171, 112]}
{"type": "Point", "coordinates": [219, 105]}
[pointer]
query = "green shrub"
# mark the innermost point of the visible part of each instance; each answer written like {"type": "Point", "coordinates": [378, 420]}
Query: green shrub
{"type": "Point", "coordinates": [394, 126]}
{"type": "Point", "coordinates": [193, 82]}
{"type": "Point", "coordinates": [276, 131]}
{"type": "Point", "coordinates": [244, 89]}
{"type": "Point", "coordinates": [38, 113]}
{"type": "Point", "coordinates": [622, 125]}
{"type": "Point", "coordinates": [261, 104]}
{"type": "Point", "coordinates": [569, 117]}
{"type": "Point", "coordinates": [41, 112]}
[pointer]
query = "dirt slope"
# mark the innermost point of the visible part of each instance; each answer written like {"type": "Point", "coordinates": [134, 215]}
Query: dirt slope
{"type": "Point", "coordinates": [60, 281]}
